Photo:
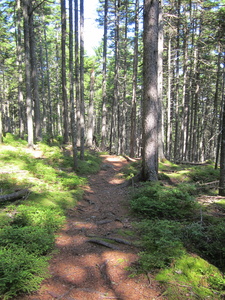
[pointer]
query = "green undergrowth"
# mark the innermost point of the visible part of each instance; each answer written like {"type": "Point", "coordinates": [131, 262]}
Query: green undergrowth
{"type": "Point", "coordinates": [183, 242]}
{"type": "Point", "coordinates": [28, 226]}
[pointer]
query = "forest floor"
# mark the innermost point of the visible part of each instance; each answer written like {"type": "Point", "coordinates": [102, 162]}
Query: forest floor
{"type": "Point", "coordinates": [82, 269]}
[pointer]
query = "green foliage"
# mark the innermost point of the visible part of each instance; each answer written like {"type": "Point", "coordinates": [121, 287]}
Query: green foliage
{"type": "Point", "coordinates": [154, 200]}
{"type": "Point", "coordinates": [27, 227]}
{"type": "Point", "coordinates": [34, 239]}
{"type": "Point", "coordinates": [48, 218]}
{"type": "Point", "coordinates": [207, 240]}
{"type": "Point", "coordinates": [204, 174]}
{"type": "Point", "coordinates": [192, 277]}
{"type": "Point", "coordinates": [20, 271]}
{"type": "Point", "coordinates": [90, 164]}
{"type": "Point", "coordinates": [131, 169]}
{"type": "Point", "coordinates": [70, 180]}
{"type": "Point", "coordinates": [43, 171]}
{"type": "Point", "coordinates": [173, 223]}
{"type": "Point", "coordinates": [168, 165]}
{"type": "Point", "coordinates": [161, 242]}
{"type": "Point", "coordinates": [52, 154]}
{"type": "Point", "coordinates": [4, 219]}
{"type": "Point", "coordinates": [13, 140]}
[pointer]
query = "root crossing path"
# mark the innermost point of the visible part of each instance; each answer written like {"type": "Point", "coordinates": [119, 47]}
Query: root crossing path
{"type": "Point", "coordinates": [94, 254]}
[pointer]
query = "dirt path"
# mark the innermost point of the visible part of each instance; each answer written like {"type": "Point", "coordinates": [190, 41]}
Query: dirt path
{"type": "Point", "coordinates": [84, 270]}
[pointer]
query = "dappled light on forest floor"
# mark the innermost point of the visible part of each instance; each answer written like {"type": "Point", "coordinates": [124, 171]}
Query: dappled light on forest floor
{"type": "Point", "coordinates": [96, 247]}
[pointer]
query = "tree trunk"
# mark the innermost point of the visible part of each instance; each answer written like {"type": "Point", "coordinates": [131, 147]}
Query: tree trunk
{"type": "Point", "coordinates": [34, 80]}
{"type": "Point", "coordinates": [150, 100]}
{"type": "Point", "coordinates": [116, 77]}
{"type": "Point", "coordinates": [184, 99]}
{"type": "Point", "coordinates": [169, 131]}
{"type": "Point", "coordinates": [221, 121]}
{"type": "Point", "coordinates": [72, 102]}
{"type": "Point", "coordinates": [49, 101]}
{"type": "Point", "coordinates": [64, 90]}
{"type": "Point", "coordinates": [82, 108]}
{"type": "Point", "coordinates": [20, 68]}
{"type": "Point", "coordinates": [134, 85]}
{"type": "Point", "coordinates": [77, 66]}
{"type": "Point", "coordinates": [222, 157]}
{"type": "Point", "coordinates": [104, 110]}
{"type": "Point", "coordinates": [214, 128]}
{"type": "Point", "coordinates": [90, 128]}
{"type": "Point", "coordinates": [177, 70]}
{"type": "Point", "coordinates": [1, 131]}
{"type": "Point", "coordinates": [160, 83]}
{"type": "Point", "coordinates": [29, 104]}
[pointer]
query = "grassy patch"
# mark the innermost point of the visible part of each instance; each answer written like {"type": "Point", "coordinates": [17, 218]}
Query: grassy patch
{"type": "Point", "coordinates": [192, 277]}
{"type": "Point", "coordinates": [182, 240]}
{"type": "Point", "coordinates": [28, 226]}
{"type": "Point", "coordinates": [154, 200]}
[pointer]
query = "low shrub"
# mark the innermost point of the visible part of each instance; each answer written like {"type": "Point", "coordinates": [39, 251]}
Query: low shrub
{"type": "Point", "coordinates": [161, 240]}
{"type": "Point", "coordinates": [204, 174]}
{"type": "Point", "coordinates": [208, 240]}
{"type": "Point", "coordinates": [90, 164]}
{"type": "Point", "coordinates": [35, 240]}
{"type": "Point", "coordinates": [20, 271]}
{"type": "Point", "coordinates": [154, 200]}
{"type": "Point", "coordinates": [47, 218]}
{"type": "Point", "coordinates": [13, 140]}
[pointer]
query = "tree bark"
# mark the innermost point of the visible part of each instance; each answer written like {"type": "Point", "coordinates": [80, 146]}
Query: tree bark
{"type": "Point", "coordinates": [150, 100]}
{"type": "Point", "coordinates": [29, 104]}
{"type": "Point", "coordinates": [72, 102]}
{"type": "Point", "coordinates": [64, 89]}
{"type": "Point", "coordinates": [104, 110]}
{"type": "Point", "coordinates": [134, 84]}
{"type": "Point", "coordinates": [90, 128]}
{"type": "Point", "coordinates": [160, 83]}
{"type": "Point", "coordinates": [168, 127]}
{"type": "Point", "coordinates": [34, 80]}
{"type": "Point", "coordinates": [82, 108]}
{"type": "Point", "coordinates": [19, 47]}
{"type": "Point", "coordinates": [77, 66]}
{"type": "Point", "coordinates": [222, 158]}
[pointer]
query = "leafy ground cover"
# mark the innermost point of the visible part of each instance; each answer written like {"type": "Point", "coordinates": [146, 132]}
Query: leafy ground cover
{"type": "Point", "coordinates": [28, 226]}
{"type": "Point", "coordinates": [182, 230]}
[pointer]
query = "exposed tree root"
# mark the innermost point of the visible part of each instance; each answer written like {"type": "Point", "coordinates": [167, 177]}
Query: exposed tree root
{"type": "Point", "coordinates": [103, 243]}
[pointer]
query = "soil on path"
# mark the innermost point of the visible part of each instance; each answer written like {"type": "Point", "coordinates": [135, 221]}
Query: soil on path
{"type": "Point", "coordinates": [85, 270]}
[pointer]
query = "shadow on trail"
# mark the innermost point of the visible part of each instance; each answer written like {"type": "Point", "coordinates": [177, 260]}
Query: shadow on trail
{"type": "Point", "coordinates": [86, 270]}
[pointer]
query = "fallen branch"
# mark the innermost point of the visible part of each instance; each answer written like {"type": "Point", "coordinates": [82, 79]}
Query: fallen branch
{"type": "Point", "coordinates": [129, 158]}
{"type": "Point", "coordinates": [102, 243]}
{"type": "Point", "coordinates": [208, 183]}
{"type": "Point", "coordinates": [192, 163]}
{"type": "Point", "coordinates": [14, 196]}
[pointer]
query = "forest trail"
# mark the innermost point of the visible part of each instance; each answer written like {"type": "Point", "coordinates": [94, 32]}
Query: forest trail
{"type": "Point", "coordinates": [85, 270]}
